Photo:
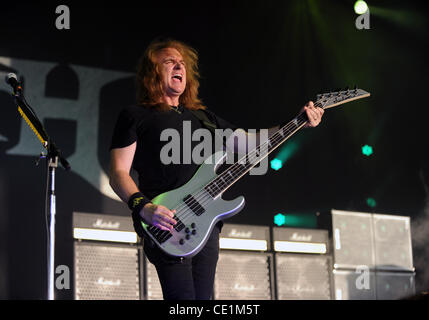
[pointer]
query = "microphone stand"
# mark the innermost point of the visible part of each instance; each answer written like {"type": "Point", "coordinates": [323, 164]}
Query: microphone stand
{"type": "Point", "coordinates": [52, 156]}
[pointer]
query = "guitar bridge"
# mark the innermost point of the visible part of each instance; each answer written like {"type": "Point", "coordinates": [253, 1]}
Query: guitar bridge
{"type": "Point", "coordinates": [162, 235]}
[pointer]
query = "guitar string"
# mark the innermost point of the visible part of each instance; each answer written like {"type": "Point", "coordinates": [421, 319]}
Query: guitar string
{"type": "Point", "coordinates": [243, 167]}
{"type": "Point", "coordinates": [197, 201]}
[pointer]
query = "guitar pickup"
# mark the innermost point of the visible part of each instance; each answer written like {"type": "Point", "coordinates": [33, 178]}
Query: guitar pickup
{"type": "Point", "coordinates": [194, 205]}
{"type": "Point", "coordinates": [160, 235]}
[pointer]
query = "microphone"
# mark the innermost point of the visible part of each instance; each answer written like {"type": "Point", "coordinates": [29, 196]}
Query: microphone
{"type": "Point", "coordinates": [12, 80]}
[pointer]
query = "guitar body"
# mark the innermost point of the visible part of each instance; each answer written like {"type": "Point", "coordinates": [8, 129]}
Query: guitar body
{"type": "Point", "coordinates": [191, 235]}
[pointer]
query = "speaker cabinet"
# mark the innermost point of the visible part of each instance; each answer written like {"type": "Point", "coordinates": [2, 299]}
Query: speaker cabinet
{"type": "Point", "coordinates": [105, 271]}
{"type": "Point", "coordinates": [303, 277]}
{"type": "Point", "coordinates": [380, 242]}
{"type": "Point", "coordinates": [349, 285]}
{"type": "Point", "coordinates": [392, 237]}
{"type": "Point", "coordinates": [380, 285]}
{"type": "Point", "coordinates": [394, 285]}
{"type": "Point", "coordinates": [244, 276]}
{"type": "Point", "coordinates": [353, 239]}
{"type": "Point", "coordinates": [152, 285]}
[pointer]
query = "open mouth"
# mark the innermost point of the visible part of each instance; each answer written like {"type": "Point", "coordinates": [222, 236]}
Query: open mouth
{"type": "Point", "coordinates": [177, 77]}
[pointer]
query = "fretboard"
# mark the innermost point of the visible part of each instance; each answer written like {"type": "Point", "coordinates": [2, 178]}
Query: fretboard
{"type": "Point", "coordinates": [231, 175]}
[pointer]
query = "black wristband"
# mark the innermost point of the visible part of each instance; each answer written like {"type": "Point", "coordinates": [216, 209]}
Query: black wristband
{"type": "Point", "coordinates": [137, 201]}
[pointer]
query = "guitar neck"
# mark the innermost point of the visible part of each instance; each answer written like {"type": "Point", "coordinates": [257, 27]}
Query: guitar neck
{"type": "Point", "coordinates": [231, 175]}
{"type": "Point", "coordinates": [227, 178]}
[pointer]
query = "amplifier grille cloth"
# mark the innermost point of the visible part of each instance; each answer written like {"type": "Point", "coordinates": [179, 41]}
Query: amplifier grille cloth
{"type": "Point", "coordinates": [393, 243]}
{"type": "Point", "coordinates": [153, 286]}
{"type": "Point", "coordinates": [106, 272]}
{"type": "Point", "coordinates": [393, 286]}
{"type": "Point", "coordinates": [243, 276]}
{"type": "Point", "coordinates": [355, 244]}
{"type": "Point", "coordinates": [346, 287]}
{"type": "Point", "coordinates": [303, 277]}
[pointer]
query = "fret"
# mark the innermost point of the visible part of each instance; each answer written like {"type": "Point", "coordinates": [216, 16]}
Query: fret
{"type": "Point", "coordinates": [215, 185]}
{"type": "Point", "coordinates": [210, 191]}
{"type": "Point", "coordinates": [295, 122]}
{"type": "Point", "coordinates": [221, 184]}
{"type": "Point", "coordinates": [240, 167]}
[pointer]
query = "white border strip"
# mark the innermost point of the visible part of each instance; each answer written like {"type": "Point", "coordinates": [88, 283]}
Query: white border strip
{"type": "Point", "coordinates": [302, 247]}
{"type": "Point", "coordinates": [104, 235]}
{"type": "Point", "coordinates": [243, 244]}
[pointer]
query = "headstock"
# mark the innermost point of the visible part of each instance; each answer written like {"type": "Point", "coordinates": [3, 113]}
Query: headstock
{"type": "Point", "coordinates": [333, 99]}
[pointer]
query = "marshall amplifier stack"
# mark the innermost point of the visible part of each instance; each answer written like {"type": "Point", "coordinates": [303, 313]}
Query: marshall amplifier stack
{"type": "Point", "coordinates": [106, 258]}
{"type": "Point", "coordinates": [372, 256]}
{"type": "Point", "coordinates": [245, 267]}
{"type": "Point", "coordinates": [302, 264]}
{"type": "Point", "coordinates": [368, 257]}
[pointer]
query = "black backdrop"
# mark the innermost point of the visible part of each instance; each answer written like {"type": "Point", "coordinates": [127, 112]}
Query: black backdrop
{"type": "Point", "coordinates": [260, 61]}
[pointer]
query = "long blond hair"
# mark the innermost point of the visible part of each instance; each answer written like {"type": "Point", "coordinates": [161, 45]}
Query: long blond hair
{"type": "Point", "coordinates": [148, 79]}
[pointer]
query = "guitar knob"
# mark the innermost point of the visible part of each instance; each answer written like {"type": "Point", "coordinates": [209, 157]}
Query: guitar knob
{"type": "Point", "coordinates": [188, 237]}
{"type": "Point", "coordinates": [181, 241]}
{"type": "Point", "coordinates": [193, 225]}
{"type": "Point", "coordinates": [187, 230]}
{"type": "Point", "coordinates": [194, 232]}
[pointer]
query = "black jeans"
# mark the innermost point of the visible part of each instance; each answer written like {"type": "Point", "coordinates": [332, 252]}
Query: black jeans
{"type": "Point", "coordinates": [186, 278]}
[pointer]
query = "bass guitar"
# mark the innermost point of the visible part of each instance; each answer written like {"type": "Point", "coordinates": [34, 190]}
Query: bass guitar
{"type": "Point", "coordinates": [199, 204]}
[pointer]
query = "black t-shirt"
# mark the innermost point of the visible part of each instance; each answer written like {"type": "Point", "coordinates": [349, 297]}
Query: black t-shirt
{"type": "Point", "coordinates": [144, 125]}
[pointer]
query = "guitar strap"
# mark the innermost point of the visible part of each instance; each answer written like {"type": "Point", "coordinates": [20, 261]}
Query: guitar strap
{"type": "Point", "coordinates": [205, 121]}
